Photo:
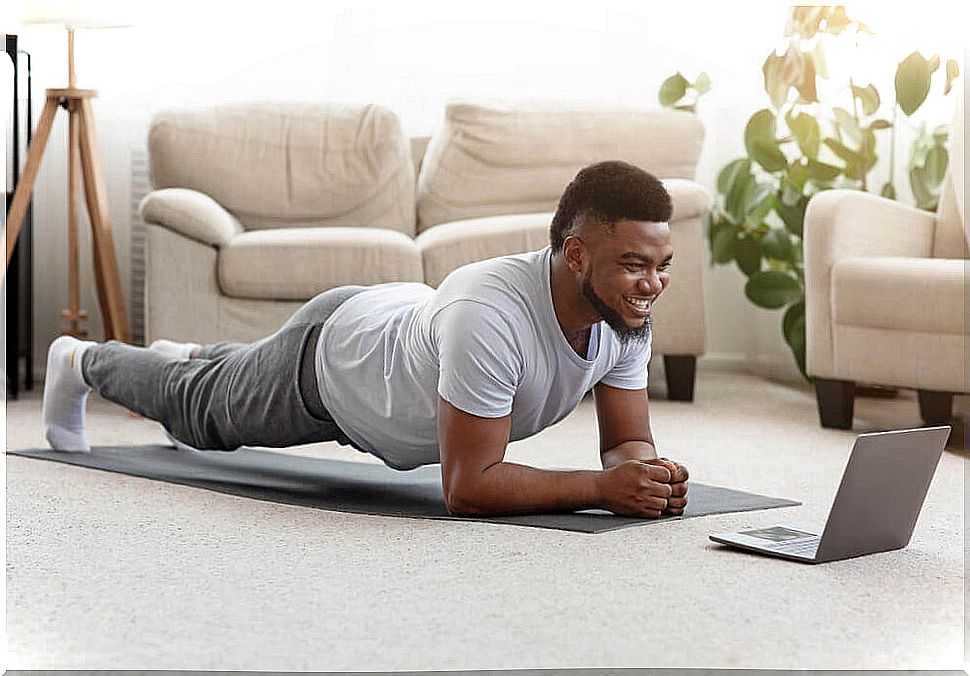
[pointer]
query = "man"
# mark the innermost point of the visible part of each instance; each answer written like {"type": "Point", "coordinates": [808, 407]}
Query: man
{"type": "Point", "coordinates": [502, 349]}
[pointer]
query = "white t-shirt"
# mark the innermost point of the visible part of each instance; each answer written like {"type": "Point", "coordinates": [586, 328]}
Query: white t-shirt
{"type": "Point", "coordinates": [487, 340]}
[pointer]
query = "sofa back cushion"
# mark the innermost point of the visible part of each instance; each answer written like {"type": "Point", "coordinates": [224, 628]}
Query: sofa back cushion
{"type": "Point", "coordinates": [492, 160]}
{"type": "Point", "coordinates": [285, 165]}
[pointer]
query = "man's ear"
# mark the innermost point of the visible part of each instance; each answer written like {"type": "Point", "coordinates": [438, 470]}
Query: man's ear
{"type": "Point", "coordinates": [574, 251]}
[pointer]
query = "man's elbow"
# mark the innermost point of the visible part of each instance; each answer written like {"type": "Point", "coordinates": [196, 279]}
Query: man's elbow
{"type": "Point", "coordinates": [461, 504]}
{"type": "Point", "coordinates": [461, 501]}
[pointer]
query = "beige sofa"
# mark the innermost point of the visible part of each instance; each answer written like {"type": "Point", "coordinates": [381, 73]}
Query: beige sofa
{"type": "Point", "coordinates": [258, 207]}
{"type": "Point", "coordinates": [885, 296]}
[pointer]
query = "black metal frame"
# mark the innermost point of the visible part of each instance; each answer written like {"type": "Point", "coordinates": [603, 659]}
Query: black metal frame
{"type": "Point", "coordinates": [19, 276]}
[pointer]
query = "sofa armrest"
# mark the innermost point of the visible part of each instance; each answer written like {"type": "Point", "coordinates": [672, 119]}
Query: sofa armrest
{"type": "Point", "coordinates": [849, 223]}
{"type": "Point", "coordinates": [688, 198]}
{"type": "Point", "coordinates": [190, 213]}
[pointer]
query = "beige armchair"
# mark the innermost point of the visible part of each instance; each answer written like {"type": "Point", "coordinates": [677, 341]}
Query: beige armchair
{"type": "Point", "coordinates": [885, 296]}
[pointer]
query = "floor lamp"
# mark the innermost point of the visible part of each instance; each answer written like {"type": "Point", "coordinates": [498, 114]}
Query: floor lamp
{"type": "Point", "coordinates": [84, 167]}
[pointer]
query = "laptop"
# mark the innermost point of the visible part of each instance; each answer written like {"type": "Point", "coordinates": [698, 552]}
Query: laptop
{"type": "Point", "coordinates": [875, 509]}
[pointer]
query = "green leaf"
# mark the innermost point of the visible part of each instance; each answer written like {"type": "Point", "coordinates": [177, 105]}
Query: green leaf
{"type": "Point", "coordinates": [759, 207]}
{"type": "Point", "coordinates": [868, 97]}
{"type": "Point", "coordinates": [912, 82]}
{"type": "Point", "coordinates": [793, 216]}
{"type": "Point", "coordinates": [848, 124]}
{"type": "Point", "coordinates": [776, 85]}
{"type": "Point", "coordinates": [822, 172]}
{"type": "Point", "coordinates": [941, 133]}
{"type": "Point", "coordinates": [725, 242]}
{"type": "Point", "coordinates": [789, 323]}
{"type": "Point", "coordinates": [740, 197]}
{"type": "Point", "coordinates": [952, 73]}
{"type": "Point", "coordinates": [761, 127]}
{"type": "Point", "coordinates": [841, 151]}
{"type": "Point", "coordinates": [777, 244]}
{"type": "Point", "coordinates": [880, 124]}
{"type": "Point", "coordinates": [937, 159]}
{"type": "Point", "coordinates": [732, 172]}
{"type": "Point", "coordinates": [761, 143]}
{"type": "Point", "coordinates": [672, 90]}
{"type": "Point", "coordinates": [797, 177]}
{"type": "Point", "coordinates": [888, 190]}
{"type": "Point", "coordinates": [772, 289]}
{"type": "Point", "coordinates": [768, 155]}
{"type": "Point", "coordinates": [925, 199]}
{"type": "Point", "coordinates": [747, 254]}
{"type": "Point", "coordinates": [793, 328]}
{"type": "Point", "coordinates": [807, 133]}
{"type": "Point", "coordinates": [702, 84]}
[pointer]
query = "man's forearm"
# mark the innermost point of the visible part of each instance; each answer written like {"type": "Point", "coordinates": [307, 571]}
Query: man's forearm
{"type": "Point", "coordinates": [628, 450]}
{"type": "Point", "coordinates": [509, 488]}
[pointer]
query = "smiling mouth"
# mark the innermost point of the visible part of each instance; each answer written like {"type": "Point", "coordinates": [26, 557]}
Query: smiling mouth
{"type": "Point", "coordinates": [641, 306]}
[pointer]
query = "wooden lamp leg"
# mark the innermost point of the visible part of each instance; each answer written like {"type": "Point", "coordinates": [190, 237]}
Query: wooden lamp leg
{"type": "Point", "coordinates": [105, 263]}
{"type": "Point", "coordinates": [21, 197]}
{"type": "Point", "coordinates": [73, 314]}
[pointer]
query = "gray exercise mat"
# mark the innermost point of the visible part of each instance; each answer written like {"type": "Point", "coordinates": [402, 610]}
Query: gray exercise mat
{"type": "Point", "coordinates": [358, 488]}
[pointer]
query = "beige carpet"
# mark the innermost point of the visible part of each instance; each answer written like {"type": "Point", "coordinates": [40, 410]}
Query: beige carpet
{"type": "Point", "coordinates": [113, 572]}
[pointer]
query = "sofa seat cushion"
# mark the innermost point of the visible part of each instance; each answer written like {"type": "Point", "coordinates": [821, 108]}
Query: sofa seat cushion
{"type": "Point", "coordinates": [298, 263]}
{"type": "Point", "coordinates": [910, 294]}
{"type": "Point", "coordinates": [448, 246]}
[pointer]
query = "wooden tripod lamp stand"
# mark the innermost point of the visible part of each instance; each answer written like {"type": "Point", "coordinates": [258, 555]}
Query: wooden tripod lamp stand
{"type": "Point", "coordinates": [84, 165]}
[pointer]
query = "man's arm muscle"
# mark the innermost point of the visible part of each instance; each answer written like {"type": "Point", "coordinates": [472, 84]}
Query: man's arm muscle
{"type": "Point", "coordinates": [477, 480]}
{"type": "Point", "coordinates": [624, 425]}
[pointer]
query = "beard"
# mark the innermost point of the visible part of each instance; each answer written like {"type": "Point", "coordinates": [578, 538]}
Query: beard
{"type": "Point", "coordinates": [613, 318]}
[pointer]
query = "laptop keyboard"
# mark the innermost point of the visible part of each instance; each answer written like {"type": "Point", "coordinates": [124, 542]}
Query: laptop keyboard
{"type": "Point", "coordinates": [800, 548]}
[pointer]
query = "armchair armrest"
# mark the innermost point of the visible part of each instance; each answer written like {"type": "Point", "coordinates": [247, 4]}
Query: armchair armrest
{"type": "Point", "coordinates": [850, 223]}
{"type": "Point", "coordinates": [192, 214]}
{"type": "Point", "coordinates": [689, 199]}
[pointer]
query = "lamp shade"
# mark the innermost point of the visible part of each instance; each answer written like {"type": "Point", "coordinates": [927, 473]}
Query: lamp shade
{"type": "Point", "coordinates": [77, 15]}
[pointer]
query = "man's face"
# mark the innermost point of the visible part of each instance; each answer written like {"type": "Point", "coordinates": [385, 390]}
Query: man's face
{"type": "Point", "coordinates": [625, 272]}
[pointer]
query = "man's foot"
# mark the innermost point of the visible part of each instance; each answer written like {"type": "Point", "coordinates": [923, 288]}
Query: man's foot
{"type": "Point", "coordinates": [65, 395]}
{"type": "Point", "coordinates": [174, 350]}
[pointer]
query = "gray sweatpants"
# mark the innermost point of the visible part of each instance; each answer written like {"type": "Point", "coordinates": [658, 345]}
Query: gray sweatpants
{"type": "Point", "coordinates": [235, 394]}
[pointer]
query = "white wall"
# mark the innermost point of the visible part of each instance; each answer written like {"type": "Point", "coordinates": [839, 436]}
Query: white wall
{"type": "Point", "coordinates": [411, 57]}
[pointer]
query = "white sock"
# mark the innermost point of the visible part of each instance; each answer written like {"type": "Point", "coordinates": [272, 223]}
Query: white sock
{"type": "Point", "coordinates": [179, 446]}
{"type": "Point", "coordinates": [65, 395]}
{"type": "Point", "coordinates": [172, 349]}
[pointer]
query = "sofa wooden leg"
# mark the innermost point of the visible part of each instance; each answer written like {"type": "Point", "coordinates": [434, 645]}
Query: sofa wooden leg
{"type": "Point", "coordinates": [936, 408]}
{"type": "Point", "coordinates": [835, 402]}
{"type": "Point", "coordinates": [681, 371]}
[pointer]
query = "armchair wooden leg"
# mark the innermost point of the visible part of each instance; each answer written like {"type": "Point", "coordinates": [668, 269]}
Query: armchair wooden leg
{"type": "Point", "coordinates": [936, 408]}
{"type": "Point", "coordinates": [680, 370]}
{"type": "Point", "coordinates": [835, 402]}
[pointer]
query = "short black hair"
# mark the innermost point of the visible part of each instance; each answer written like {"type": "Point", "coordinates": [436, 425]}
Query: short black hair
{"type": "Point", "coordinates": [607, 193]}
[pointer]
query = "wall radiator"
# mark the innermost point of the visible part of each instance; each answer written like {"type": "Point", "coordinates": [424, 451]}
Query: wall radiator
{"type": "Point", "coordinates": [140, 186]}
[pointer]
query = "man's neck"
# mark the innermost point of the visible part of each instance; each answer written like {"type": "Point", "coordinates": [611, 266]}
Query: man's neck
{"type": "Point", "coordinates": [573, 311]}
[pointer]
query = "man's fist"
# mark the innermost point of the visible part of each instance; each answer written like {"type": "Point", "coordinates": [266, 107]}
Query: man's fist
{"type": "Point", "coordinates": [678, 485]}
{"type": "Point", "coordinates": [636, 488]}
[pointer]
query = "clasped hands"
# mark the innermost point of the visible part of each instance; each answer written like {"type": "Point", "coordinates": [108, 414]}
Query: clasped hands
{"type": "Point", "coordinates": [646, 488]}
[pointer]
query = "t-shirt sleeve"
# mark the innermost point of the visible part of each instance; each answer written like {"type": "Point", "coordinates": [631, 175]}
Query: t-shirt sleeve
{"type": "Point", "coordinates": [480, 363]}
{"type": "Point", "coordinates": [630, 370]}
